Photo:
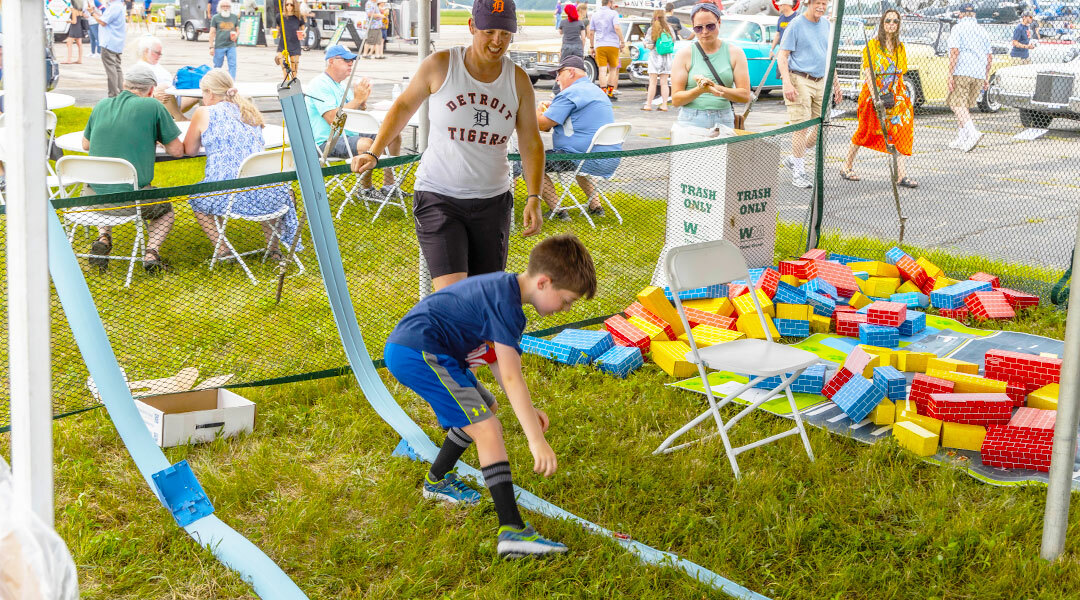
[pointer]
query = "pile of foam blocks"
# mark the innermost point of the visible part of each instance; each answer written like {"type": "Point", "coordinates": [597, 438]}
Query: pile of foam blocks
{"type": "Point", "coordinates": [949, 404]}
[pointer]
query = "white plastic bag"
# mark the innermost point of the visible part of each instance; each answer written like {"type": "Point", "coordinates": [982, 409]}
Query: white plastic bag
{"type": "Point", "coordinates": [34, 562]}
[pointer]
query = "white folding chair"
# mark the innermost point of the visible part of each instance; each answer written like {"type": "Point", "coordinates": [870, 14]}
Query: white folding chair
{"type": "Point", "coordinates": [610, 134]}
{"type": "Point", "coordinates": [52, 181]}
{"type": "Point", "coordinates": [358, 121]}
{"type": "Point", "coordinates": [260, 163]}
{"type": "Point", "coordinates": [709, 263]}
{"type": "Point", "coordinates": [99, 170]}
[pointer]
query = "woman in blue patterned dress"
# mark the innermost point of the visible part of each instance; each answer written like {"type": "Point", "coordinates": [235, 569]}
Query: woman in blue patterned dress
{"type": "Point", "coordinates": [230, 128]}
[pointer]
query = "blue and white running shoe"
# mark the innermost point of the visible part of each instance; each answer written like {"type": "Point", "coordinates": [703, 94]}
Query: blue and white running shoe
{"type": "Point", "coordinates": [450, 490]}
{"type": "Point", "coordinates": [519, 543]}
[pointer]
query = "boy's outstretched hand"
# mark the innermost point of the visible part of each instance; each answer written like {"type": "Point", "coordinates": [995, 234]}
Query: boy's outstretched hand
{"type": "Point", "coordinates": [544, 461]}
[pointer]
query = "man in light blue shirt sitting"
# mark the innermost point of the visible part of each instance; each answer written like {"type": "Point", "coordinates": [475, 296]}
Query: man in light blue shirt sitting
{"type": "Point", "coordinates": [573, 117]}
{"type": "Point", "coordinates": [323, 96]}
{"type": "Point", "coordinates": [969, 74]}
{"type": "Point", "coordinates": [112, 37]}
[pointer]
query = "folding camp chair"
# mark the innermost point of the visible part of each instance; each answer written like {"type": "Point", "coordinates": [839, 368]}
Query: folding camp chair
{"type": "Point", "coordinates": [607, 135]}
{"type": "Point", "coordinates": [709, 263]}
{"type": "Point", "coordinates": [359, 121]}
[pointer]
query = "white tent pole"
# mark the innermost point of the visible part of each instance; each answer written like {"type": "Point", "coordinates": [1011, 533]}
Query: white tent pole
{"type": "Point", "coordinates": [27, 255]}
{"type": "Point", "coordinates": [423, 40]}
{"type": "Point", "coordinates": [1056, 517]}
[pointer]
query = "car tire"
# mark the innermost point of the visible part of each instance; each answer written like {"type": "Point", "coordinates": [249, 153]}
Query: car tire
{"type": "Point", "coordinates": [533, 79]}
{"type": "Point", "coordinates": [190, 33]}
{"type": "Point", "coordinates": [914, 90]}
{"type": "Point", "coordinates": [590, 69]}
{"type": "Point", "coordinates": [1036, 119]}
{"type": "Point", "coordinates": [988, 100]}
{"type": "Point", "coordinates": [312, 37]}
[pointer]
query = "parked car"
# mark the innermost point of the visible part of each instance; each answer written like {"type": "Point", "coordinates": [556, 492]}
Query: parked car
{"type": "Point", "coordinates": [540, 58]}
{"type": "Point", "coordinates": [927, 45]}
{"type": "Point", "coordinates": [1042, 92]}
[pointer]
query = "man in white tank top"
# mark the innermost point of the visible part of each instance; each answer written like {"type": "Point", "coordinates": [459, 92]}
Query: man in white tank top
{"type": "Point", "coordinates": [463, 202]}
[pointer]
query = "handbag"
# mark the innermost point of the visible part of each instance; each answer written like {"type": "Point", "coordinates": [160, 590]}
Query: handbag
{"type": "Point", "coordinates": [188, 78]}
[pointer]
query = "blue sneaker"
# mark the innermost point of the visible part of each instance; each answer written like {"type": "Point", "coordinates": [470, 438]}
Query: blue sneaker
{"type": "Point", "coordinates": [519, 543]}
{"type": "Point", "coordinates": [450, 489]}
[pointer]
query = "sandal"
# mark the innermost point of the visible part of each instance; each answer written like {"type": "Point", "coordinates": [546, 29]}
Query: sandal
{"type": "Point", "coordinates": [101, 248]}
{"type": "Point", "coordinates": [274, 257]}
{"type": "Point", "coordinates": [157, 265]}
{"type": "Point", "coordinates": [908, 183]}
{"type": "Point", "coordinates": [849, 175]}
{"type": "Point", "coordinates": [646, 107]}
{"type": "Point", "coordinates": [662, 109]}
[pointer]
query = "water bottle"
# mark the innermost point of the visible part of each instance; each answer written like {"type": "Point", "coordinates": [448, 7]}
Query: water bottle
{"type": "Point", "coordinates": [397, 92]}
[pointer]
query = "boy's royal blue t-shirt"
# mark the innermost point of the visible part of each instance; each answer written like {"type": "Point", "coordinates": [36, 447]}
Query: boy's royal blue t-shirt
{"type": "Point", "coordinates": [457, 319]}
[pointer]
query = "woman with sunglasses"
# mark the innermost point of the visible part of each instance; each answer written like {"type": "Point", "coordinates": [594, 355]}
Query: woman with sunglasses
{"type": "Point", "coordinates": [292, 35]}
{"type": "Point", "coordinates": [890, 63]}
{"type": "Point", "coordinates": [709, 75]}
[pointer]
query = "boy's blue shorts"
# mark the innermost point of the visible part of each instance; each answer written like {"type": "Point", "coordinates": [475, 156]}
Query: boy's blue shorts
{"type": "Point", "coordinates": [455, 395]}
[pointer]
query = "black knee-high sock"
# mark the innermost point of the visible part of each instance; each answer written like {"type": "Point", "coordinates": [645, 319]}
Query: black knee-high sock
{"type": "Point", "coordinates": [457, 442]}
{"type": "Point", "coordinates": [501, 485]}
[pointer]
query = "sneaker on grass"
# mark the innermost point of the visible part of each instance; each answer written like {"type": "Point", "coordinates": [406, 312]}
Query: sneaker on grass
{"type": "Point", "coordinates": [450, 490]}
{"type": "Point", "coordinates": [800, 180]}
{"type": "Point", "coordinates": [519, 543]}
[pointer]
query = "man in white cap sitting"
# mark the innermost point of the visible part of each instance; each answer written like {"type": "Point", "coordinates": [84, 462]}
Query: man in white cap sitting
{"type": "Point", "coordinates": [150, 50]}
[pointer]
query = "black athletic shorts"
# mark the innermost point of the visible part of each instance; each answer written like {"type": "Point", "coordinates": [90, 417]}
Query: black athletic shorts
{"type": "Point", "coordinates": [463, 235]}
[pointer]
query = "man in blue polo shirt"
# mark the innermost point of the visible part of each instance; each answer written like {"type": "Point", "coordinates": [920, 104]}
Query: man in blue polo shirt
{"type": "Point", "coordinates": [1022, 36]}
{"type": "Point", "coordinates": [573, 117]}
{"type": "Point", "coordinates": [112, 37]}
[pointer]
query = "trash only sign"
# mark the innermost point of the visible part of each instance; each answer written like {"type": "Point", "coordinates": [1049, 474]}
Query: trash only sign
{"type": "Point", "coordinates": [721, 192]}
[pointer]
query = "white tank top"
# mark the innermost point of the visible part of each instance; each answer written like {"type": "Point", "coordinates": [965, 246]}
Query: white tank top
{"type": "Point", "coordinates": [471, 122]}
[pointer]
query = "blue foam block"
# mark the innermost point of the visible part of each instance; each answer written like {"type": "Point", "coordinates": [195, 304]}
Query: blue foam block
{"type": "Point", "coordinates": [811, 381]}
{"type": "Point", "coordinates": [181, 493]}
{"type": "Point", "coordinates": [563, 353]}
{"type": "Point", "coordinates": [912, 299]}
{"type": "Point", "coordinates": [620, 361]}
{"type": "Point", "coordinates": [861, 275]}
{"type": "Point", "coordinates": [823, 305]}
{"type": "Point", "coordinates": [858, 397]}
{"type": "Point", "coordinates": [792, 327]}
{"type": "Point", "coordinates": [817, 284]}
{"type": "Point", "coordinates": [718, 290]}
{"type": "Point", "coordinates": [914, 323]}
{"type": "Point", "coordinates": [789, 294]}
{"type": "Point", "coordinates": [878, 335]}
{"type": "Point", "coordinates": [952, 296]}
{"type": "Point", "coordinates": [845, 259]}
{"type": "Point", "coordinates": [592, 343]}
{"type": "Point", "coordinates": [894, 254]}
{"type": "Point", "coordinates": [892, 381]}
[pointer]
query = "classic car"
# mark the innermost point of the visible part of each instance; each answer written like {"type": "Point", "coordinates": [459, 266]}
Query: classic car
{"type": "Point", "coordinates": [540, 58]}
{"type": "Point", "coordinates": [1042, 92]}
{"type": "Point", "coordinates": [927, 45]}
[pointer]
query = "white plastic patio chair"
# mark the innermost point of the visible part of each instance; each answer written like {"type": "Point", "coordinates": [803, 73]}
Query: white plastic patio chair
{"type": "Point", "coordinates": [709, 263]}
{"type": "Point", "coordinates": [610, 134]}
{"type": "Point", "coordinates": [260, 163]}
{"type": "Point", "coordinates": [100, 170]}
{"type": "Point", "coordinates": [358, 121]}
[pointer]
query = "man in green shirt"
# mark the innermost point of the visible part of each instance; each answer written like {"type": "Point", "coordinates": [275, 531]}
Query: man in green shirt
{"type": "Point", "coordinates": [223, 31]}
{"type": "Point", "coordinates": [129, 126]}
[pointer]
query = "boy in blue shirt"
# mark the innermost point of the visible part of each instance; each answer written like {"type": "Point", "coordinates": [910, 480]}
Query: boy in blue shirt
{"type": "Point", "coordinates": [430, 352]}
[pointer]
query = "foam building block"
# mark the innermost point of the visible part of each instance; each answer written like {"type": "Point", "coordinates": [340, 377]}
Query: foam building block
{"type": "Point", "coordinates": [799, 312]}
{"type": "Point", "coordinates": [884, 413]}
{"type": "Point", "coordinates": [619, 361]}
{"type": "Point", "coordinates": [858, 300]}
{"type": "Point", "coordinates": [973, 409]}
{"type": "Point", "coordinates": [1045, 398]}
{"type": "Point", "coordinates": [719, 306]}
{"type": "Point", "coordinates": [707, 335]}
{"type": "Point", "coordinates": [552, 350]}
{"type": "Point", "coordinates": [1030, 370]}
{"type": "Point", "coordinates": [892, 382]}
{"type": "Point", "coordinates": [991, 279]}
{"type": "Point", "coordinates": [814, 254]}
{"type": "Point", "coordinates": [792, 280]}
{"type": "Point", "coordinates": [833, 385]}
{"type": "Point", "coordinates": [671, 357]}
{"type": "Point", "coordinates": [767, 281]}
{"type": "Point", "coordinates": [989, 305]}
{"type": "Point", "coordinates": [811, 381]}
{"type": "Point", "coordinates": [878, 335]}
{"type": "Point", "coordinates": [792, 327]}
{"type": "Point", "coordinates": [923, 385]}
{"type": "Point", "coordinates": [711, 291]}
{"type": "Point", "coordinates": [638, 310]}
{"type": "Point", "coordinates": [916, 439]}
{"type": "Point", "coordinates": [931, 269]}
{"type": "Point", "coordinates": [737, 289]}
{"type": "Point", "coordinates": [956, 314]}
{"type": "Point", "coordinates": [911, 271]}
{"type": "Point", "coordinates": [858, 397]}
{"type": "Point", "coordinates": [1017, 391]}
{"type": "Point", "coordinates": [962, 436]}
{"type": "Point", "coordinates": [953, 296]}
{"type": "Point", "coordinates": [840, 276]}
{"type": "Point", "coordinates": [819, 285]}
{"type": "Point", "coordinates": [820, 324]}
{"type": "Point", "coordinates": [655, 333]}
{"type": "Point", "coordinates": [951, 364]}
{"type": "Point", "coordinates": [848, 323]}
{"type": "Point", "coordinates": [795, 268]}
{"type": "Point", "coordinates": [1019, 299]}
{"type": "Point", "coordinates": [1025, 443]}
{"type": "Point", "coordinates": [653, 300]}
{"type": "Point", "coordinates": [880, 287]}
{"type": "Point", "coordinates": [913, 362]}
{"type": "Point", "coordinates": [699, 317]}
{"type": "Point", "coordinates": [888, 314]}
{"type": "Point", "coordinates": [911, 299]}
{"type": "Point", "coordinates": [863, 275]}
{"type": "Point", "coordinates": [845, 308]}
{"type": "Point", "coordinates": [750, 324]}
{"type": "Point", "coordinates": [876, 268]}
{"type": "Point", "coordinates": [789, 294]}
{"type": "Point", "coordinates": [914, 323]}
{"type": "Point", "coordinates": [844, 259]}
{"type": "Point", "coordinates": [625, 332]}
{"type": "Point", "coordinates": [744, 304]}
{"type": "Point", "coordinates": [858, 360]}
{"type": "Point", "coordinates": [928, 423]}
{"type": "Point", "coordinates": [941, 281]}
{"type": "Point", "coordinates": [885, 356]}
{"type": "Point", "coordinates": [964, 383]}
{"type": "Point", "coordinates": [592, 343]}
{"type": "Point", "coordinates": [823, 305]}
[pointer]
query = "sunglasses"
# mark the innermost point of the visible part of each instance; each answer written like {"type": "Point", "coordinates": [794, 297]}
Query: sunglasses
{"type": "Point", "coordinates": [706, 27]}
{"type": "Point", "coordinates": [892, 20]}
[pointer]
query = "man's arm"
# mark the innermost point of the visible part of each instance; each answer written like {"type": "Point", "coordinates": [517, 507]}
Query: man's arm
{"type": "Point", "coordinates": [954, 56]}
{"type": "Point", "coordinates": [85, 144]}
{"type": "Point", "coordinates": [618, 32]}
{"type": "Point", "coordinates": [175, 148]}
{"type": "Point", "coordinates": [545, 123]}
{"type": "Point", "coordinates": [531, 148]}
{"type": "Point", "coordinates": [544, 461]}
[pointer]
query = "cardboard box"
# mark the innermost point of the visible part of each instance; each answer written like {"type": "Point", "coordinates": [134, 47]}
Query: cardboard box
{"type": "Point", "coordinates": [196, 416]}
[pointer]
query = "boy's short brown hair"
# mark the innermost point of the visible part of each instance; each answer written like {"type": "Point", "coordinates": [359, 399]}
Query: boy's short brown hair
{"type": "Point", "coordinates": [567, 262]}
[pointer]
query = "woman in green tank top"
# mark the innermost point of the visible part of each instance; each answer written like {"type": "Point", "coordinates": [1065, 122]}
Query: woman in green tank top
{"type": "Point", "coordinates": [705, 101]}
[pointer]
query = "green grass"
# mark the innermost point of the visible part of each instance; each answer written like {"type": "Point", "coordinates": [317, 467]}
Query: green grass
{"type": "Point", "coordinates": [315, 486]}
{"type": "Point", "coordinates": [531, 18]}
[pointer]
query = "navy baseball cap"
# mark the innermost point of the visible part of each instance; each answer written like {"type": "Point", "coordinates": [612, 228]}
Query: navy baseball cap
{"type": "Point", "coordinates": [495, 14]}
{"type": "Point", "coordinates": [339, 51]}
{"type": "Point", "coordinates": [967, 7]}
{"type": "Point", "coordinates": [572, 61]}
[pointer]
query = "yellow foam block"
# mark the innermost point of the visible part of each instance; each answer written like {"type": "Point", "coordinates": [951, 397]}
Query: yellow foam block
{"type": "Point", "coordinates": [744, 304]}
{"type": "Point", "coordinates": [943, 281]}
{"type": "Point", "coordinates": [928, 423]}
{"type": "Point", "coordinates": [879, 287]}
{"type": "Point", "coordinates": [876, 268]}
{"type": "Point", "coordinates": [799, 312]}
{"type": "Point", "coordinates": [653, 299]}
{"type": "Point", "coordinates": [969, 384]}
{"type": "Point", "coordinates": [820, 324]}
{"type": "Point", "coordinates": [671, 357]}
{"type": "Point", "coordinates": [884, 413]}
{"type": "Point", "coordinates": [751, 326]}
{"type": "Point", "coordinates": [962, 436]}
{"type": "Point", "coordinates": [1045, 397]}
{"type": "Point", "coordinates": [1048, 355]}
{"type": "Point", "coordinates": [720, 306]}
{"type": "Point", "coordinates": [951, 364]}
{"type": "Point", "coordinates": [790, 280]}
{"type": "Point", "coordinates": [931, 269]}
{"type": "Point", "coordinates": [654, 332]}
{"type": "Point", "coordinates": [915, 438]}
{"type": "Point", "coordinates": [906, 287]}
{"type": "Point", "coordinates": [913, 362]}
{"type": "Point", "coordinates": [858, 300]}
{"type": "Point", "coordinates": [905, 405]}
{"type": "Point", "coordinates": [710, 335]}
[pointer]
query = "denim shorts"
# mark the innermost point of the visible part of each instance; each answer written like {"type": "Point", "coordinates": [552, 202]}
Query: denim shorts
{"type": "Point", "coordinates": [345, 143]}
{"type": "Point", "coordinates": [706, 119]}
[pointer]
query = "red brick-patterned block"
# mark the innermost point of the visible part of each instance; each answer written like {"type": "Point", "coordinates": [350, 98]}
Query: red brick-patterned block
{"type": "Point", "coordinates": [639, 311]}
{"type": "Point", "coordinates": [1015, 448]}
{"type": "Point", "coordinates": [1035, 419]}
{"type": "Point", "coordinates": [836, 382]}
{"type": "Point", "coordinates": [1028, 369]}
{"type": "Point", "coordinates": [815, 254]}
{"type": "Point", "coordinates": [989, 305]}
{"type": "Point", "coordinates": [980, 276]}
{"type": "Point", "coordinates": [843, 309]}
{"type": "Point", "coordinates": [625, 334]}
{"type": "Point", "coordinates": [857, 360]}
{"type": "Point", "coordinates": [928, 286]}
{"type": "Point", "coordinates": [887, 314]}
{"type": "Point", "coordinates": [911, 271]}
{"type": "Point", "coordinates": [973, 409]}
{"type": "Point", "coordinates": [956, 314]}
{"type": "Point", "coordinates": [1017, 392]}
{"type": "Point", "coordinates": [840, 276]}
{"type": "Point", "coordinates": [923, 385]}
{"type": "Point", "coordinates": [847, 323]}
{"type": "Point", "coordinates": [735, 290]}
{"type": "Point", "coordinates": [796, 268]}
{"type": "Point", "coordinates": [697, 317]}
{"type": "Point", "coordinates": [1019, 299]}
{"type": "Point", "coordinates": [768, 282]}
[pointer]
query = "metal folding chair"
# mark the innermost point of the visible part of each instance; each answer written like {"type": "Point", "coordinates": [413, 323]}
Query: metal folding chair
{"type": "Point", "coordinates": [359, 121]}
{"type": "Point", "coordinates": [610, 134]}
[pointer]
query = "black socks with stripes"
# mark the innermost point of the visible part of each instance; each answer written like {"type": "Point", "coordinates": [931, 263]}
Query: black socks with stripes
{"type": "Point", "coordinates": [457, 442]}
{"type": "Point", "coordinates": [501, 485]}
